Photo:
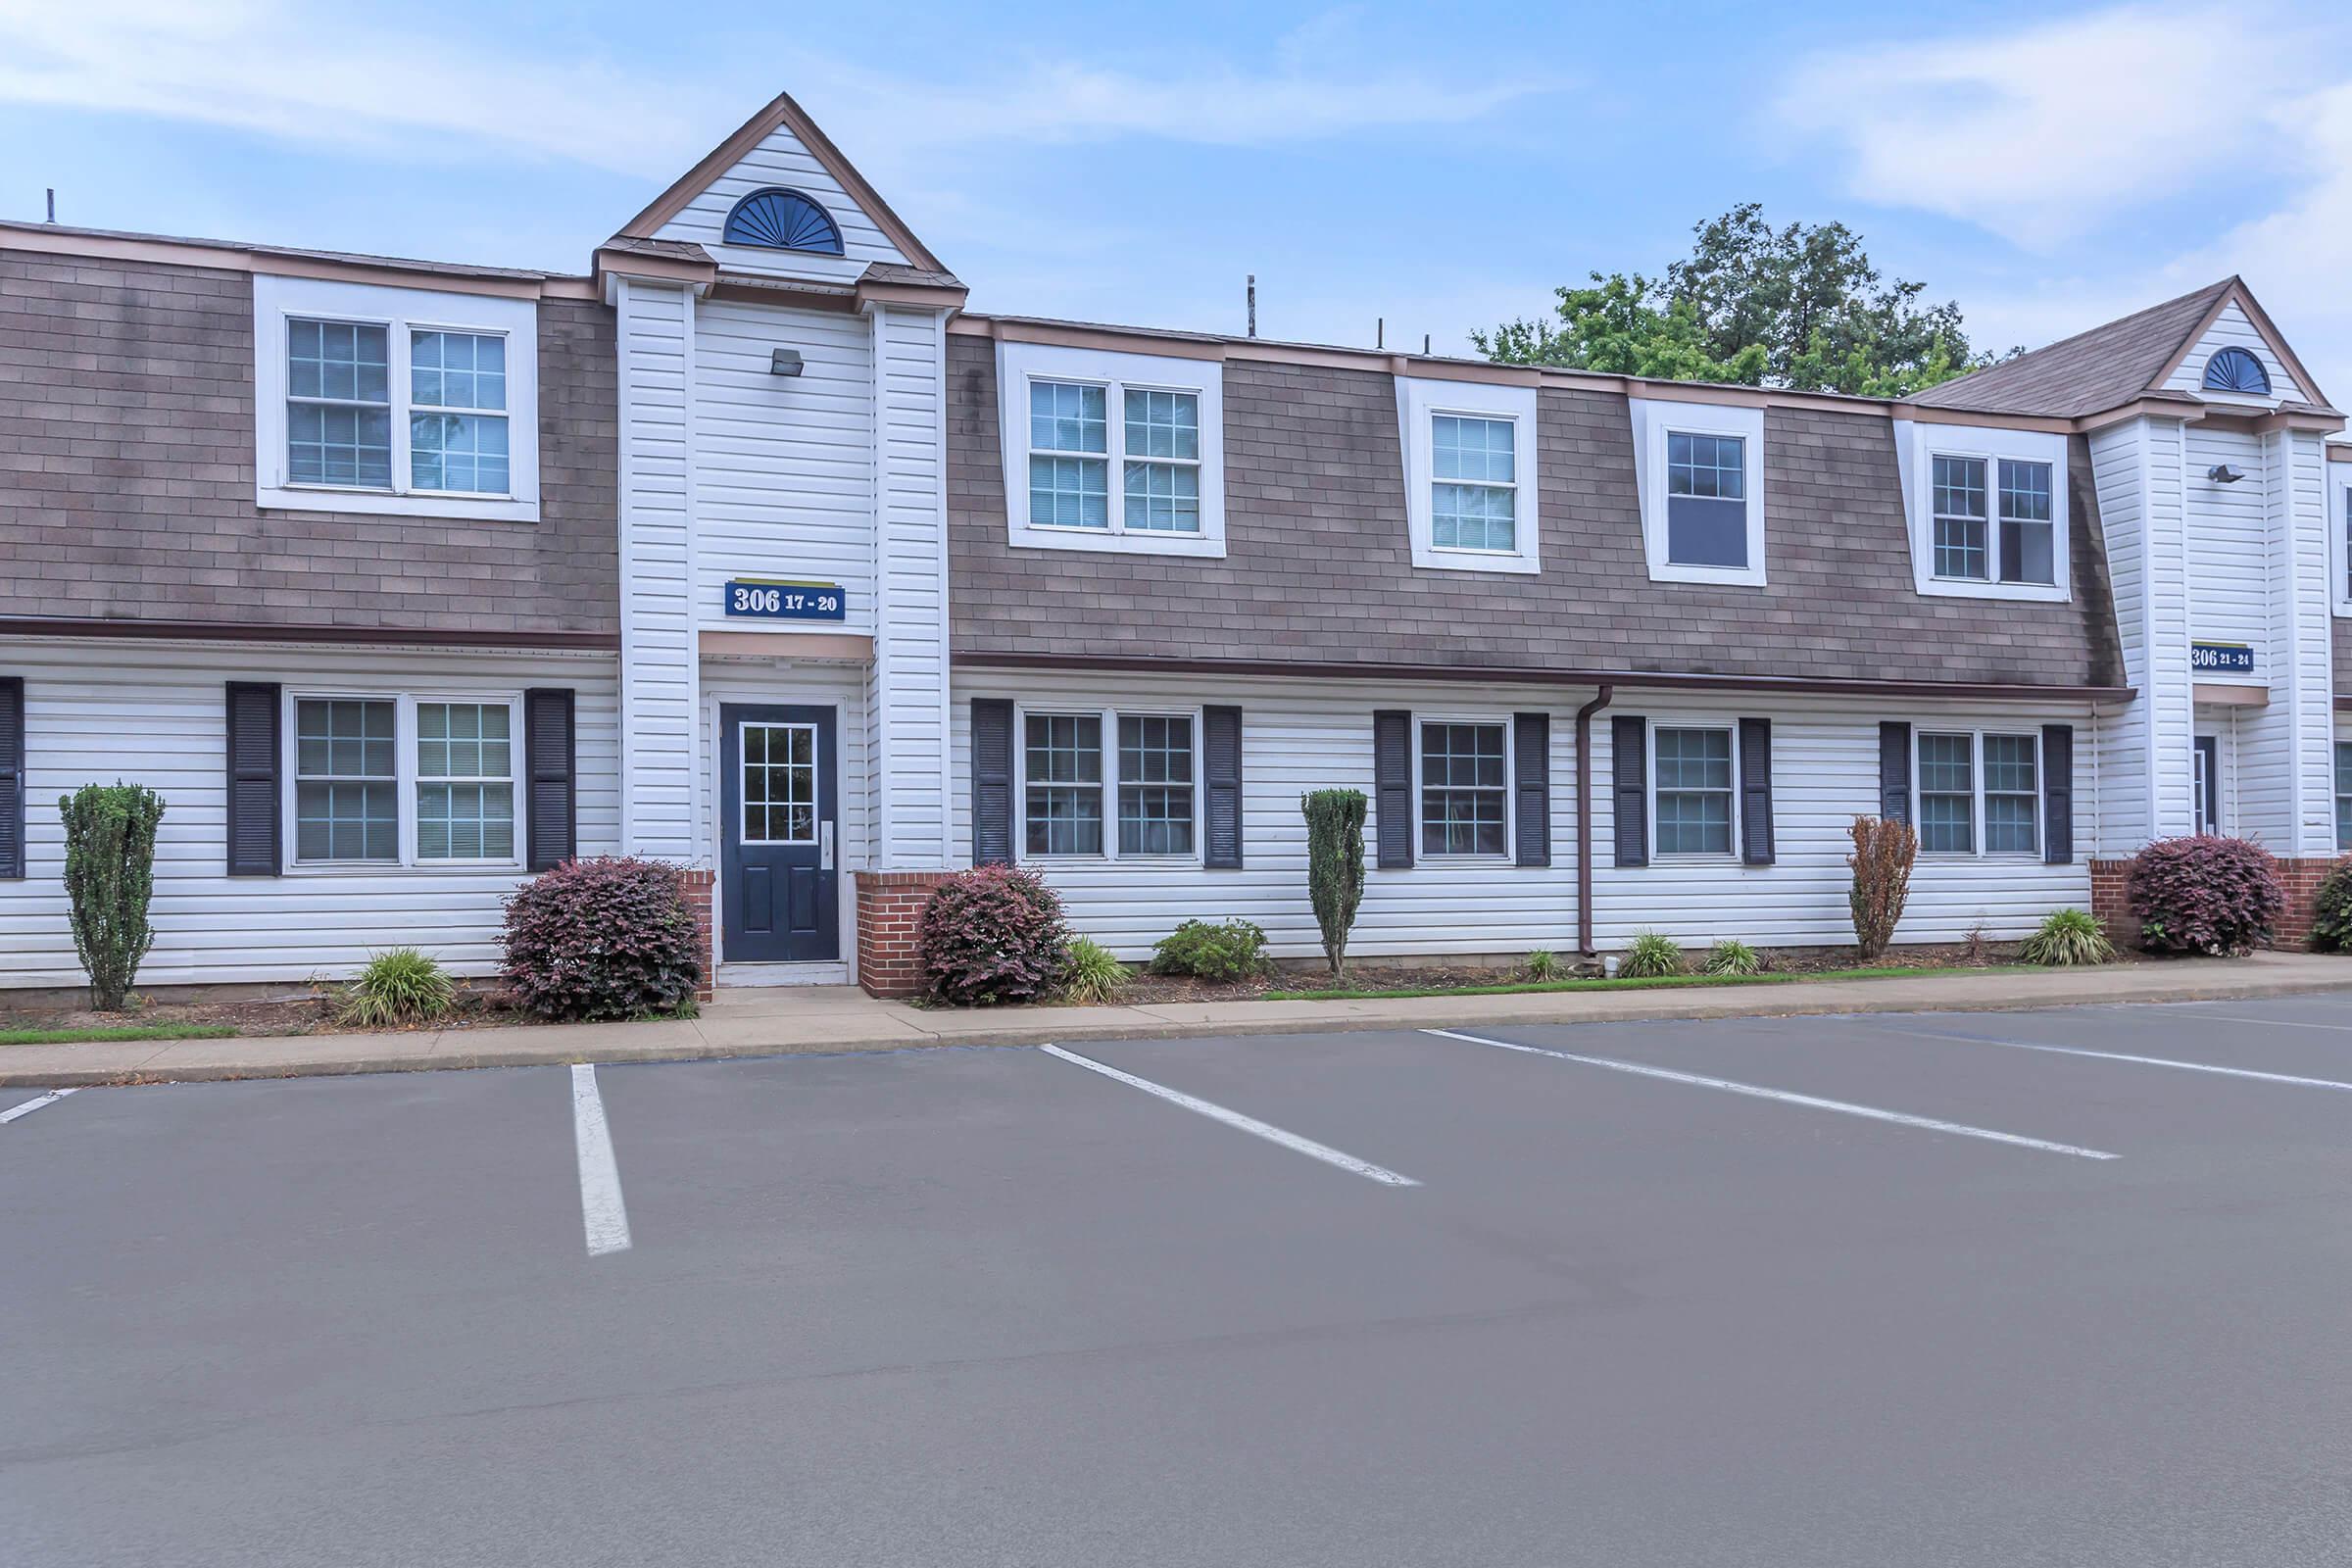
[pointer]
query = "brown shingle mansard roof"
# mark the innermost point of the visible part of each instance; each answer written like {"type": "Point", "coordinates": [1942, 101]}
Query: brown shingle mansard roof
{"type": "Point", "coordinates": [2102, 369]}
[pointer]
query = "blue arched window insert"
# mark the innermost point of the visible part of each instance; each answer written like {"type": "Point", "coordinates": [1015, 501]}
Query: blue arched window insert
{"type": "Point", "coordinates": [784, 220]}
{"type": "Point", "coordinates": [2234, 369]}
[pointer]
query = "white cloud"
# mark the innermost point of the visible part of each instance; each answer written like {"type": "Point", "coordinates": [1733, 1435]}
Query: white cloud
{"type": "Point", "coordinates": [2041, 134]}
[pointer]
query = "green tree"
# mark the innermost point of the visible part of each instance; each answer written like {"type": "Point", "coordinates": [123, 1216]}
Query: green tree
{"type": "Point", "coordinates": [110, 875]}
{"type": "Point", "coordinates": [1799, 307]}
{"type": "Point", "coordinates": [1335, 864]}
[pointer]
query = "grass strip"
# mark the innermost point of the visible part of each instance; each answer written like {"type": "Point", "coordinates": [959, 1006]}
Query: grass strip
{"type": "Point", "coordinates": [109, 1032]}
{"type": "Point", "coordinates": [1653, 983]}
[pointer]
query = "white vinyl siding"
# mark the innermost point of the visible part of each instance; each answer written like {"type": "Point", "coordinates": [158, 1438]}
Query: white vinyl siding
{"type": "Point", "coordinates": [2234, 327]}
{"type": "Point", "coordinates": [81, 698]}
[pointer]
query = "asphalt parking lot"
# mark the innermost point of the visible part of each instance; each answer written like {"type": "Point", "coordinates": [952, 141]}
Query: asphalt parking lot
{"type": "Point", "coordinates": [2055, 1288]}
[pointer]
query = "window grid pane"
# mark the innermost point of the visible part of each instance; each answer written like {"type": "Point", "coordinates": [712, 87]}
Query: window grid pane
{"type": "Point", "coordinates": [338, 404]}
{"type": "Point", "coordinates": [1069, 492]}
{"type": "Point", "coordinates": [1693, 791]}
{"type": "Point", "coordinates": [1474, 463]}
{"type": "Point", "coordinates": [2027, 531]}
{"type": "Point", "coordinates": [1163, 425]}
{"type": "Point", "coordinates": [346, 797]}
{"type": "Point", "coordinates": [2343, 794]}
{"type": "Point", "coordinates": [473, 819]}
{"type": "Point", "coordinates": [2012, 795]}
{"type": "Point", "coordinates": [1963, 547]}
{"type": "Point", "coordinates": [1067, 417]}
{"type": "Point", "coordinates": [1714, 467]}
{"type": "Point", "coordinates": [1163, 498]}
{"type": "Point", "coordinates": [1947, 805]}
{"type": "Point", "coordinates": [779, 784]}
{"type": "Point", "coordinates": [1062, 754]}
{"type": "Point", "coordinates": [1469, 517]}
{"type": "Point", "coordinates": [1462, 789]}
{"type": "Point", "coordinates": [1156, 784]}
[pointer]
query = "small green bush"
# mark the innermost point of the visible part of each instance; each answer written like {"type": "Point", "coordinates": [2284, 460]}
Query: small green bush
{"type": "Point", "coordinates": [1731, 956]}
{"type": "Point", "coordinates": [2068, 937]}
{"type": "Point", "coordinates": [1650, 956]}
{"type": "Point", "coordinates": [401, 986]}
{"type": "Point", "coordinates": [1233, 950]}
{"type": "Point", "coordinates": [1093, 973]}
{"type": "Point", "coordinates": [2331, 911]}
{"type": "Point", "coordinates": [109, 877]}
{"type": "Point", "coordinates": [1541, 966]}
{"type": "Point", "coordinates": [1335, 864]}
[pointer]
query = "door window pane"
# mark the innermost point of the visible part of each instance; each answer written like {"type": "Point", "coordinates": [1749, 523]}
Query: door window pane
{"type": "Point", "coordinates": [1462, 789]}
{"type": "Point", "coordinates": [1694, 791]}
{"type": "Point", "coordinates": [346, 789]}
{"type": "Point", "coordinates": [779, 783]}
{"type": "Point", "coordinates": [1062, 758]}
{"type": "Point", "coordinates": [1948, 798]}
{"type": "Point", "coordinates": [464, 781]}
{"type": "Point", "coordinates": [2012, 795]}
{"type": "Point", "coordinates": [1156, 784]}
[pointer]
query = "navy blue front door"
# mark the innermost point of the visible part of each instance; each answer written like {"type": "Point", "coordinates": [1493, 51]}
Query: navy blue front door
{"type": "Point", "coordinates": [779, 807]}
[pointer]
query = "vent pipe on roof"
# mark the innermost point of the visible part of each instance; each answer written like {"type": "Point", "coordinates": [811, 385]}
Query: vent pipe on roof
{"type": "Point", "coordinates": [1253, 305]}
{"type": "Point", "coordinates": [1380, 331]}
{"type": "Point", "coordinates": [53, 204]}
{"type": "Point", "coordinates": [1425, 345]}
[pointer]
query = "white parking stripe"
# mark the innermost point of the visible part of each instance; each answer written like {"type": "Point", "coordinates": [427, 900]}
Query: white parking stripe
{"type": "Point", "coordinates": [1233, 1118]}
{"type": "Point", "coordinates": [31, 1106]}
{"type": "Point", "coordinates": [2289, 1023]}
{"type": "Point", "coordinates": [1843, 1107]}
{"type": "Point", "coordinates": [602, 1217]}
{"type": "Point", "coordinates": [2119, 1055]}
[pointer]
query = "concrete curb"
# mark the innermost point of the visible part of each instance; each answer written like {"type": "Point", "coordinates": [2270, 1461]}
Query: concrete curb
{"type": "Point", "coordinates": [684, 1040]}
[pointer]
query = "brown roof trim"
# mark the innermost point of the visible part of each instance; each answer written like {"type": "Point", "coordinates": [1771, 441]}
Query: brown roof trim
{"type": "Point", "coordinates": [750, 134]}
{"type": "Point", "coordinates": [615, 262]}
{"type": "Point", "coordinates": [252, 631]}
{"type": "Point", "coordinates": [45, 240]}
{"type": "Point", "coordinates": [1521, 676]}
{"type": "Point", "coordinates": [923, 296]}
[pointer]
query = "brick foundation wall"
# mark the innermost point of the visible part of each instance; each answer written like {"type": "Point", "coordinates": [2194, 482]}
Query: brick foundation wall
{"type": "Point", "coordinates": [2302, 876]}
{"type": "Point", "coordinates": [888, 903]}
{"type": "Point", "coordinates": [697, 885]}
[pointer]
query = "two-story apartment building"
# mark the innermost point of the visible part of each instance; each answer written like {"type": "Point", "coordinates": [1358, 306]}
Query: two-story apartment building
{"type": "Point", "coordinates": [756, 550]}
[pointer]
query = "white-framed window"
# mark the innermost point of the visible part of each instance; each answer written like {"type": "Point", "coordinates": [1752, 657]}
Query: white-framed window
{"type": "Point", "coordinates": [778, 784]}
{"type": "Point", "coordinates": [1115, 783]}
{"type": "Point", "coordinates": [384, 400]}
{"type": "Point", "coordinates": [2343, 794]}
{"type": "Point", "coordinates": [403, 778]}
{"type": "Point", "coordinates": [2339, 529]}
{"type": "Point", "coordinates": [1464, 768]}
{"type": "Point", "coordinates": [1690, 773]}
{"type": "Point", "coordinates": [1699, 467]}
{"type": "Point", "coordinates": [1470, 475]}
{"type": "Point", "coordinates": [1110, 451]}
{"type": "Point", "coordinates": [1977, 792]}
{"type": "Point", "coordinates": [1988, 510]}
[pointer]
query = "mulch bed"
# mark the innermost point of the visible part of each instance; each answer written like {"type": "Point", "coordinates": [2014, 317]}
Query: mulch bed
{"type": "Point", "coordinates": [308, 1012]}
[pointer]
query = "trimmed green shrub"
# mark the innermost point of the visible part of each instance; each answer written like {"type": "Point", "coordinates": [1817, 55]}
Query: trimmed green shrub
{"type": "Point", "coordinates": [1650, 956]}
{"type": "Point", "coordinates": [2068, 937]}
{"type": "Point", "coordinates": [1883, 852]}
{"type": "Point", "coordinates": [1542, 965]}
{"type": "Point", "coordinates": [109, 877]}
{"type": "Point", "coordinates": [1093, 973]}
{"type": "Point", "coordinates": [2331, 909]}
{"type": "Point", "coordinates": [1335, 864]}
{"type": "Point", "coordinates": [993, 934]}
{"type": "Point", "coordinates": [1233, 950]}
{"type": "Point", "coordinates": [2203, 893]}
{"type": "Point", "coordinates": [1731, 956]}
{"type": "Point", "coordinates": [399, 986]}
{"type": "Point", "coordinates": [605, 938]}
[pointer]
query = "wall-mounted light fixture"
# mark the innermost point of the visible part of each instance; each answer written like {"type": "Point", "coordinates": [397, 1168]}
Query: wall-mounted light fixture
{"type": "Point", "coordinates": [785, 361]}
{"type": "Point", "coordinates": [2222, 473]}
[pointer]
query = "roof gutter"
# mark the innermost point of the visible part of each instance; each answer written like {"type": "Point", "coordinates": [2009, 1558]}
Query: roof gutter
{"type": "Point", "coordinates": [1583, 818]}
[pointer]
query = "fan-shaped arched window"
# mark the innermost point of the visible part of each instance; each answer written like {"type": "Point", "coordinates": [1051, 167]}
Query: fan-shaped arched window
{"type": "Point", "coordinates": [2234, 369]}
{"type": "Point", "coordinates": [784, 220]}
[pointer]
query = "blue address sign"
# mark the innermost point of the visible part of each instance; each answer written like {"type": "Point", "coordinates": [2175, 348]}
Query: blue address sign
{"type": "Point", "coordinates": [2220, 659]}
{"type": "Point", "coordinates": [761, 599]}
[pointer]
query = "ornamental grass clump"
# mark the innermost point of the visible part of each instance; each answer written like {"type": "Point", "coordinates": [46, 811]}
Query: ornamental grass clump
{"type": "Point", "coordinates": [2065, 938]}
{"type": "Point", "coordinates": [1543, 965]}
{"type": "Point", "coordinates": [1095, 975]}
{"type": "Point", "coordinates": [1650, 957]}
{"type": "Point", "coordinates": [993, 934]}
{"type": "Point", "coordinates": [1732, 957]}
{"type": "Point", "coordinates": [604, 937]}
{"type": "Point", "coordinates": [2203, 893]}
{"type": "Point", "coordinates": [110, 877]}
{"type": "Point", "coordinates": [398, 986]}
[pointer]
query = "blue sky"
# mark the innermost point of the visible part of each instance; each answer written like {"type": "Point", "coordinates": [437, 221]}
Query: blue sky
{"type": "Point", "coordinates": [1442, 168]}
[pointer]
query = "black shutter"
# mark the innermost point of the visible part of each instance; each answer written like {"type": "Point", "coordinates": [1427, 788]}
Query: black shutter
{"type": "Point", "coordinates": [12, 777]}
{"type": "Point", "coordinates": [1392, 787]}
{"type": "Point", "coordinates": [1628, 768]}
{"type": "Point", "coordinates": [1755, 791]}
{"type": "Point", "coordinates": [1531, 759]}
{"type": "Point", "coordinates": [549, 760]}
{"type": "Point", "coordinates": [1221, 772]}
{"type": "Point", "coordinates": [991, 782]}
{"type": "Point", "coordinates": [1894, 771]}
{"type": "Point", "coordinates": [2058, 794]}
{"type": "Point", "coordinates": [255, 809]}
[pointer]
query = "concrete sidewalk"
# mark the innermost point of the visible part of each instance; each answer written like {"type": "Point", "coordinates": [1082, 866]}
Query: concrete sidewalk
{"type": "Point", "coordinates": [822, 1018]}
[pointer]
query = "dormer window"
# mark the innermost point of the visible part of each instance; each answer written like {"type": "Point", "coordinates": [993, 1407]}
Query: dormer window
{"type": "Point", "coordinates": [1699, 467]}
{"type": "Point", "coordinates": [1109, 451]}
{"type": "Point", "coordinates": [1986, 509]}
{"type": "Point", "coordinates": [780, 220]}
{"type": "Point", "coordinates": [1471, 486]}
{"type": "Point", "coordinates": [2236, 370]}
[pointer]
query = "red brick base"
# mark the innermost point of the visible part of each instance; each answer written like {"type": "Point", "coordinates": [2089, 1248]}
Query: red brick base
{"type": "Point", "coordinates": [2302, 878]}
{"type": "Point", "coordinates": [697, 898]}
{"type": "Point", "coordinates": [889, 903]}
